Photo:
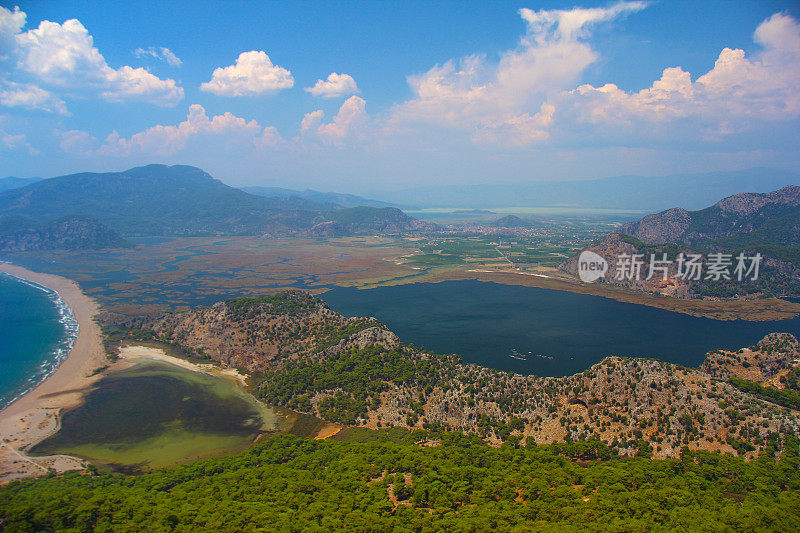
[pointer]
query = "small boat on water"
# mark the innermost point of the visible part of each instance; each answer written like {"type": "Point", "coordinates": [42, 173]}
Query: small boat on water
{"type": "Point", "coordinates": [522, 357]}
{"type": "Point", "coordinates": [516, 355]}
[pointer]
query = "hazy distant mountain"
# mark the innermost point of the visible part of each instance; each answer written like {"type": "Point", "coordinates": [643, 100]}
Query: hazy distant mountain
{"type": "Point", "coordinates": [14, 183]}
{"type": "Point", "coordinates": [331, 198]}
{"type": "Point", "coordinates": [359, 220]}
{"type": "Point", "coordinates": [689, 191]}
{"type": "Point", "coordinates": [154, 200]}
{"type": "Point", "coordinates": [184, 200]}
{"type": "Point", "coordinates": [67, 233]}
{"type": "Point", "coordinates": [511, 221]}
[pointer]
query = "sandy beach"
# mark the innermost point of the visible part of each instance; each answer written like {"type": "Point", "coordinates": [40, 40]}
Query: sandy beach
{"type": "Point", "coordinates": [133, 352]}
{"type": "Point", "coordinates": [34, 417]}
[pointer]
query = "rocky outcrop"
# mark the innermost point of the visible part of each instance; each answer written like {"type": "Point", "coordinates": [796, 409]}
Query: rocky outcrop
{"type": "Point", "coordinates": [736, 215]}
{"type": "Point", "coordinates": [373, 336]}
{"type": "Point", "coordinates": [775, 354]}
{"type": "Point", "coordinates": [659, 228]}
{"type": "Point", "coordinates": [746, 203]}
{"type": "Point", "coordinates": [260, 334]}
{"type": "Point", "coordinates": [307, 357]}
{"type": "Point", "coordinates": [767, 224]}
{"type": "Point", "coordinates": [615, 245]}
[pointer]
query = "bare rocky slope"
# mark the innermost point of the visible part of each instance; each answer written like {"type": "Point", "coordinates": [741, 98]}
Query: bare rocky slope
{"type": "Point", "coordinates": [737, 215]}
{"type": "Point", "coordinates": [353, 370]}
{"type": "Point", "coordinates": [747, 223]}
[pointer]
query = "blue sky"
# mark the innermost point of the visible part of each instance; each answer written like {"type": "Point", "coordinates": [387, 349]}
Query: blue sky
{"type": "Point", "coordinates": [420, 93]}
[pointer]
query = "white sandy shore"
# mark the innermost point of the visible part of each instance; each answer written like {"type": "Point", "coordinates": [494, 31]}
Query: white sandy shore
{"type": "Point", "coordinates": [34, 416]}
{"type": "Point", "coordinates": [133, 352]}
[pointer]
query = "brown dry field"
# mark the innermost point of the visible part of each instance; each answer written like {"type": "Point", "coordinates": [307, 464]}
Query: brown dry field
{"type": "Point", "coordinates": [181, 272]}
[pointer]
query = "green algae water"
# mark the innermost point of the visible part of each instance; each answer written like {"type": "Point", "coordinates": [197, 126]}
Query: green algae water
{"type": "Point", "coordinates": [156, 414]}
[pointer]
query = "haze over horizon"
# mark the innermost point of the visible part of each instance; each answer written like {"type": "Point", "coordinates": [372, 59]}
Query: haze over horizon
{"type": "Point", "coordinates": [366, 98]}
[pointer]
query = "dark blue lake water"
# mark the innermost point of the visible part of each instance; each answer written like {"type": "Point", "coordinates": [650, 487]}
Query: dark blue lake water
{"type": "Point", "coordinates": [486, 323]}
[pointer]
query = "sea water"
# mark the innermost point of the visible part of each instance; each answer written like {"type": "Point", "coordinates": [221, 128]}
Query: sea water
{"type": "Point", "coordinates": [37, 331]}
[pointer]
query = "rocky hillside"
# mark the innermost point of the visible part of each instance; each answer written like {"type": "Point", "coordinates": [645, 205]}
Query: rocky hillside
{"type": "Point", "coordinates": [258, 334]}
{"type": "Point", "coordinates": [773, 218]}
{"type": "Point", "coordinates": [352, 370]}
{"type": "Point", "coordinates": [67, 233]}
{"type": "Point", "coordinates": [766, 363]}
{"type": "Point", "coordinates": [746, 223]}
{"type": "Point", "coordinates": [384, 220]}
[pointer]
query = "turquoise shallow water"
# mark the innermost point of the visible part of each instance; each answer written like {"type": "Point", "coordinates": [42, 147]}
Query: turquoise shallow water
{"type": "Point", "coordinates": [37, 330]}
{"type": "Point", "coordinates": [541, 331]}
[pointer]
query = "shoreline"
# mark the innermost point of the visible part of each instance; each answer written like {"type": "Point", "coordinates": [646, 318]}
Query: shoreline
{"type": "Point", "coordinates": [755, 310]}
{"type": "Point", "coordinates": [129, 353]}
{"type": "Point", "coordinates": [71, 325]}
{"type": "Point", "coordinates": [35, 415]}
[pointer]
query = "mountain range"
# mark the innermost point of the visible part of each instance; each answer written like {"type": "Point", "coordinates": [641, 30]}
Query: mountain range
{"type": "Point", "coordinates": [744, 223]}
{"type": "Point", "coordinates": [744, 219]}
{"type": "Point", "coordinates": [184, 200]}
{"type": "Point", "coordinates": [689, 191]}
{"type": "Point", "coordinates": [333, 199]}
{"type": "Point", "coordinates": [14, 183]}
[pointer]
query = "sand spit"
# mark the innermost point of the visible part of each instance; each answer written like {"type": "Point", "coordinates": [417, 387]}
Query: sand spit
{"type": "Point", "coordinates": [35, 416]}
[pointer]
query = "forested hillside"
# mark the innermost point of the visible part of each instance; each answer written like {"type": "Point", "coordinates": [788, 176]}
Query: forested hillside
{"type": "Point", "coordinates": [18, 234]}
{"type": "Point", "coordinates": [185, 200]}
{"type": "Point", "coordinates": [311, 359]}
{"type": "Point", "coordinates": [422, 481]}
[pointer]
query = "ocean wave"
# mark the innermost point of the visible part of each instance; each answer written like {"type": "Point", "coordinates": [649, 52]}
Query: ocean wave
{"type": "Point", "coordinates": [59, 352]}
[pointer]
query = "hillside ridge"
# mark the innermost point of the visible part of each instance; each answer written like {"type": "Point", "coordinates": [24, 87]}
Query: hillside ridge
{"type": "Point", "coordinates": [355, 371]}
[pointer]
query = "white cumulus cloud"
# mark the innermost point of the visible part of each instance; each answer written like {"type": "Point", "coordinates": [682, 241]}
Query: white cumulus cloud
{"type": "Point", "coordinates": [220, 131]}
{"type": "Point", "coordinates": [335, 86]}
{"type": "Point", "coordinates": [736, 94]}
{"type": "Point", "coordinates": [31, 97]}
{"type": "Point", "coordinates": [312, 120]}
{"type": "Point", "coordinates": [505, 102]}
{"type": "Point", "coordinates": [62, 59]}
{"type": "Point", "coordinates": [352, 115]}
{"type": "Point", "coordinates": [252, 74]}
{"type": "Point", "coordinates": [75, 141]}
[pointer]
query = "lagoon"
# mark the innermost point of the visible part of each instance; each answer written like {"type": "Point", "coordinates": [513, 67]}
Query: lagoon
{"type": "Point", "coordinates": [157, 414]}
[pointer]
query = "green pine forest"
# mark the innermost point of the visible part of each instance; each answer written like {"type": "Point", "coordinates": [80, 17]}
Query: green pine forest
{"type": "Point", "coordinates": [390, 480]}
